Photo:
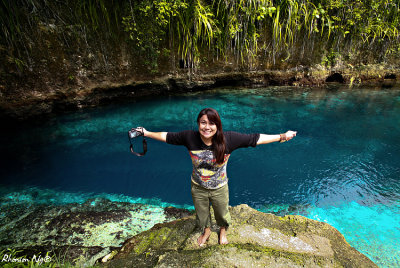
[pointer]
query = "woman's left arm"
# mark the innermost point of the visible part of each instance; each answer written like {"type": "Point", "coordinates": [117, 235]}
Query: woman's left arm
{"type": "Point", "coordinates": [266, 138]}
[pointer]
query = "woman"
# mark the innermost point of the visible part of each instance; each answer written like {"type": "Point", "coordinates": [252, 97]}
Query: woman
{"type": "Point", "coordinates": [210, 149]}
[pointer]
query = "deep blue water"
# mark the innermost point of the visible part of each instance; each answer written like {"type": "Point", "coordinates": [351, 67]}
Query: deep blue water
{"type": "Point", "coordinates": [343, 167]}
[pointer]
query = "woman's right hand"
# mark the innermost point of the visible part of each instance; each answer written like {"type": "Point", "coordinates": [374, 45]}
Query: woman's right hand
{"type": "Point", "coordinates": [143, 130]}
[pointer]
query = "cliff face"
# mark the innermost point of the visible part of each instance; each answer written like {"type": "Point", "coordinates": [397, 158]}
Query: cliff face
{"type": "Point", "coordinates": [255, 239]}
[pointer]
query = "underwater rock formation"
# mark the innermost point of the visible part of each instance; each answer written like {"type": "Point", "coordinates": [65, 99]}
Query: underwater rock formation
{"type": "Point", "coordinates": [76, 233]}
{"type": "Point", "coordinates": [256, 240]}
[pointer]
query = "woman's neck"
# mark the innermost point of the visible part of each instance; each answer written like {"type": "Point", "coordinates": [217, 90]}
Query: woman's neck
{"type": "Point", "coordinates": [206, 141]}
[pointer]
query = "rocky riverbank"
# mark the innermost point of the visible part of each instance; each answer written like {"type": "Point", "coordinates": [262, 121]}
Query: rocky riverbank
{"type": "Point", "coordinates": [49, 100]}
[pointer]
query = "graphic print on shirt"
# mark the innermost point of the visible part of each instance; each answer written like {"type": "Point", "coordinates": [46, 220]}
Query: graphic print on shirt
{"type": "Point", "coordinates": [206, 172]}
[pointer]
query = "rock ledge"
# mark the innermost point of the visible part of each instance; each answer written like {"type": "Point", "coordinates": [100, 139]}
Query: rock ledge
{"type": "Point", "coordinates": [256, 240]}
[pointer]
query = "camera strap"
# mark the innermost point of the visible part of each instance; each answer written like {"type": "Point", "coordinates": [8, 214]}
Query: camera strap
{"type": "Point", "coordinates": [144, 147]}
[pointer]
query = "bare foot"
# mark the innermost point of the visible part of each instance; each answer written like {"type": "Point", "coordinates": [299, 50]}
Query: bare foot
{"type": "Point", "coordinates": [222, 236]}
{"type": "Point", "coordinates": [204, 237]}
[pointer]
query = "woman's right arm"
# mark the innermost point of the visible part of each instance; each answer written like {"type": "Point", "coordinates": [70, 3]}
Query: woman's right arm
{"type": "Point", "coordinates": [160, 136]}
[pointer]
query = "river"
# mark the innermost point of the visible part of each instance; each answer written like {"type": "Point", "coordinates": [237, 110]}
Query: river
{"type": "Point", "coordinates": [343, 167]}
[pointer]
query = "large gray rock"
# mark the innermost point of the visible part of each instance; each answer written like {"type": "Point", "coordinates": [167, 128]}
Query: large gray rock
{"type": "Point", "coordinates": [255, 239]}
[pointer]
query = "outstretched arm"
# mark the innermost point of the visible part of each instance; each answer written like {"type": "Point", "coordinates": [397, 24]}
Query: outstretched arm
{"type": "Point", "coordinates": [265, 138]}
{"type": "Point", "coordinates": [160, 136]}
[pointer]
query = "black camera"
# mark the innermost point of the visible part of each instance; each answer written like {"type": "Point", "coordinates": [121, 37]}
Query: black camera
{"type": "Point", "coordinates": [133, 133]}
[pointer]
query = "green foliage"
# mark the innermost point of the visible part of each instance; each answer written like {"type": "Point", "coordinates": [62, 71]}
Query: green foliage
{"type": "Point", "coordinates": [29, 28]}
{"type": "Point", "coordinates": [255, 32]}
{"type": "Point", "coordinates": [249, 28]}
{"type": "Point", "coordinates": [240, 24]}
{"type": "Point", "coordinates": [148, 24]}
{"type": "Point", "coordinates": [194, 26]}
{"type": "Point", "coordinates": [329, 60]}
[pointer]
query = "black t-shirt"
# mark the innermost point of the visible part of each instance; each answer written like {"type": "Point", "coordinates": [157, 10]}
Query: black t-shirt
{"type": "Point", "coordinates": [206, 172]}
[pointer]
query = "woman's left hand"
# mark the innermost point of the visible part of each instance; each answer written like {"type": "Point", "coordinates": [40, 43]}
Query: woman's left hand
{"type": "Point", "coordinates": [290, 135]}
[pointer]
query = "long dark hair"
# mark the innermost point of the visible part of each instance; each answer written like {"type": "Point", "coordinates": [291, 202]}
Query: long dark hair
{"type": "Point", "coordinates": [218, 140]}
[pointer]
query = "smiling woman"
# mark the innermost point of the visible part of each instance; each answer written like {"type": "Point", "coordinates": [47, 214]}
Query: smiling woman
{"type": "Point", "coordinates": [210, 128]}
{"type": "Point", "coordinates": [210, 149]}
{"type": "Point", "coordinates": [207, 129]}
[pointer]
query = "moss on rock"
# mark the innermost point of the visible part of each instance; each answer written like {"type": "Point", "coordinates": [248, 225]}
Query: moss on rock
{"type": "Point", "coordinates": [256, 240]}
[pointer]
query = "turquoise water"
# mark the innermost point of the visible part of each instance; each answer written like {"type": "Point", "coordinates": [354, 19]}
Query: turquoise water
{"type": "Point", "coordinates": [343, 168]}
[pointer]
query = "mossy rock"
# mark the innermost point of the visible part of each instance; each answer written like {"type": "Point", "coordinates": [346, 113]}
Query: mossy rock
{"type": "Point", "coordinates": [256, 240]}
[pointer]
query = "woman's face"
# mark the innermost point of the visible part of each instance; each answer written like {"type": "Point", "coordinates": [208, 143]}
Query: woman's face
{"type": "Point", "coordinates": [206, 128]}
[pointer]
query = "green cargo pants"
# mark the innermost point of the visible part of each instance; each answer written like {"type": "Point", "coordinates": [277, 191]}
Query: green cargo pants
{"type": "Point", "coordinates": [219, 199]}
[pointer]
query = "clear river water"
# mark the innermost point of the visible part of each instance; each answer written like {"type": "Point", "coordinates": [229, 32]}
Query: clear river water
{"type": "Point", "coordinates": [343, 167]}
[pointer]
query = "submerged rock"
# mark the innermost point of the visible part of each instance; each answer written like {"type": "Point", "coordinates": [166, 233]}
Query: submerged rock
{"type": "Point", "coordinates": [256, 239]}
{"type": "Point", "coordinates": [77, 233]}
